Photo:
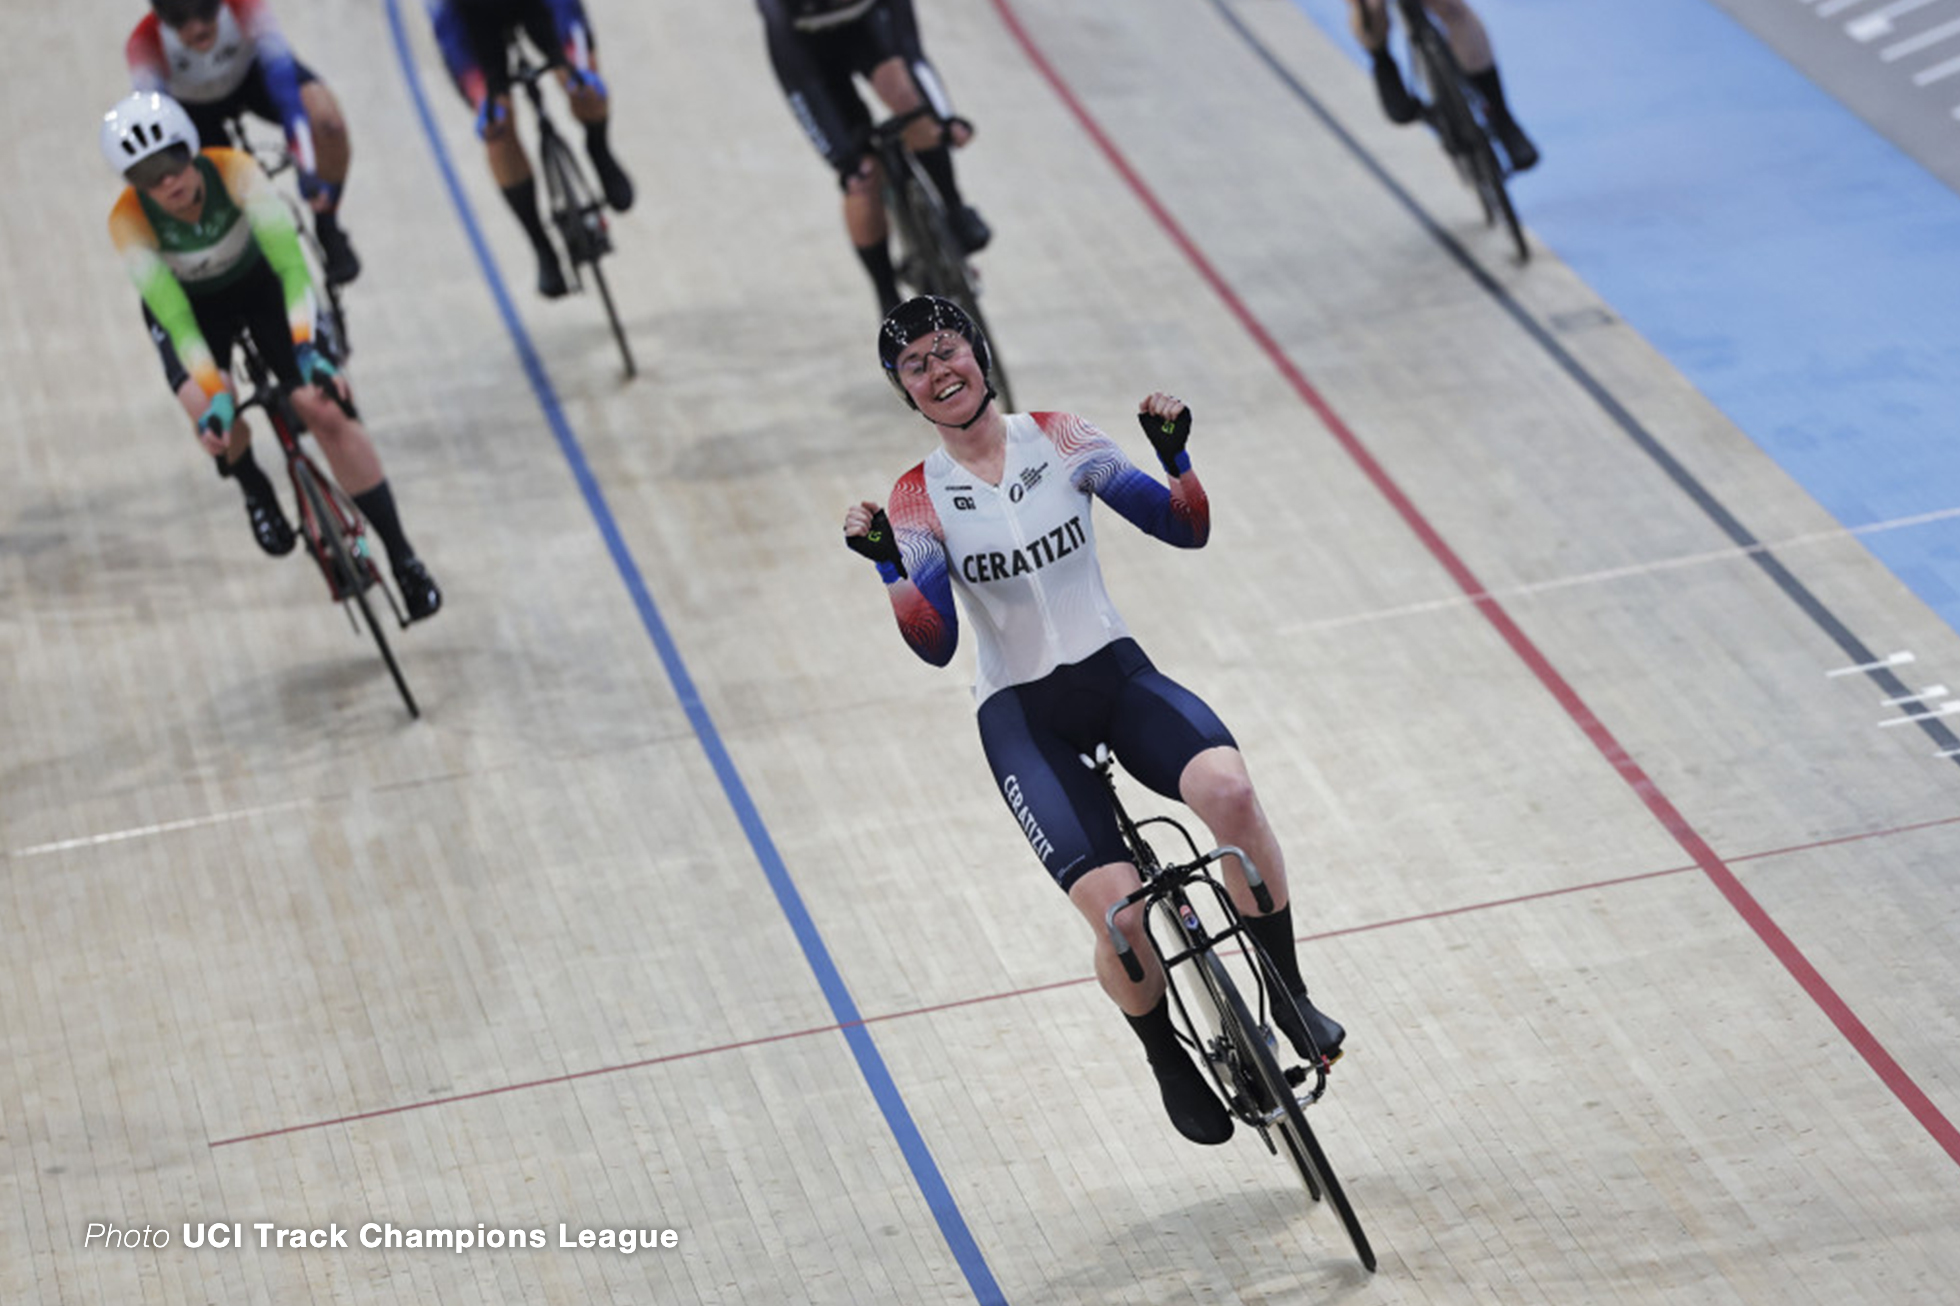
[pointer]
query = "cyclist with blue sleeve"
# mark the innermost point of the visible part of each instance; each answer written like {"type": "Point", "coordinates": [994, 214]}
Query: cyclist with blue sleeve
{"type": "Point", "coordinates": [476, 37]}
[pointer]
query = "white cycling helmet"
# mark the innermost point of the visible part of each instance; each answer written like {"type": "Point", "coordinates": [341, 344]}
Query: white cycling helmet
{"type": "Point", "coordinates": [145, 124]}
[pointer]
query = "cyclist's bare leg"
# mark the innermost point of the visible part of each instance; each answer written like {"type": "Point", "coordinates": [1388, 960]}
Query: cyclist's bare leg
{"type": "Point", "coordinates": [1216, 786]}
{"type": "Point", "coordinates": [591, 107]}
{"type": "Point", "coordinates": [343, 440]}
{"type": "Point", "coordinates": [1093, 895]}
{"type": "Point", "coordinates": [332, 149]}
{"type": "Point", "coordinates": [1468, 40]}
{"type": "Point", "coordinates": [510, 168]}
{"type": "Point", "coordinates": [931, 139]}
{"type": "Point", "coordinates": [864, 204]}
{"type": "Point", "coordinates": [1368, 20]}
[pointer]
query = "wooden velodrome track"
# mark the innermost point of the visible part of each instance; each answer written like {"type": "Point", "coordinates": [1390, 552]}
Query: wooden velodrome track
{"type": "Point", "coordinates": [689, 905]}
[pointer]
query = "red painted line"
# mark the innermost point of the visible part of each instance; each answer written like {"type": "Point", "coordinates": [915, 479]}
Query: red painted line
{"type": "Point", "coordinates": [1053, 985]}
{"type": "Point", "coordinates": [1780, 945]}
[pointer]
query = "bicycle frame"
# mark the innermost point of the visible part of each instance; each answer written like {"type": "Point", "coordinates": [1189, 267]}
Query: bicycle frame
{"type": "Point", "coordinates": [1188, 941]}
{"type": "Point", "coordinates": [1234, 1040]}
{"type": "Point", "coordinates": [335, 535]}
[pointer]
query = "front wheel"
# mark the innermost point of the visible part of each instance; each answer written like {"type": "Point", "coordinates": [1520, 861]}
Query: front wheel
{"type": "Point", "coordinates": [1276, 1105]}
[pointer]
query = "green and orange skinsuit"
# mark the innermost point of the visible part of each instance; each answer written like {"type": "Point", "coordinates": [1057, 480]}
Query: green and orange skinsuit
{"type": "Point", "coordinates": [170, 260]}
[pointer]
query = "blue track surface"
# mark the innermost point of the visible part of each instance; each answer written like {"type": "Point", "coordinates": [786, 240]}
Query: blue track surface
{"type": "Point", "coordinates": [1790, 261]}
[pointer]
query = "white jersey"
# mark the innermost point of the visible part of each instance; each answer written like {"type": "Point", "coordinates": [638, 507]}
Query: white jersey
{"type": "Point", "coordinates": [1022, 554]}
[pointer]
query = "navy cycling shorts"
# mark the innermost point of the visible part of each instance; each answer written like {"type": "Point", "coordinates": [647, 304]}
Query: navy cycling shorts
{"type": "Point", "coordinates": [1035, 735]}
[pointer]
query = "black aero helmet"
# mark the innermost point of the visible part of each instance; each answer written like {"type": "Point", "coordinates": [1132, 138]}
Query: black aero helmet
{"type": "Point", "coordinates": [175, 13]}
{"type": "Point", "coordinates": [928, 315]}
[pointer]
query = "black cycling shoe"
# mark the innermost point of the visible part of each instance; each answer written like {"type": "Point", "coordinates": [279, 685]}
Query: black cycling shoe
{"type": "Point", "coordinates": [614, 181]}
{"type": "Point", "coordinates": [971, 230]}
{"type": "Point", "coordinates": [269, 525]}
{"type": "Point", "coordinates": [551, 277]}
{"type": "Point", "coordinates": [1191, 1104]}
{"type": "Point", "coordinates": [420, 593]}
{"type": "Point", "coordinates": [1517, 146]}
{"type": "Point", "coordinates": [1301, 1018]}
{"type": "Point", "coordinates": [343, 264]}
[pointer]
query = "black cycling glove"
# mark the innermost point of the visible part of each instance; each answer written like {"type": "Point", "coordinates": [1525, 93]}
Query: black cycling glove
{"type": "Point", "coordinates": [881, 546]}
{"type": "Point", "coordinates": [1167, 436]}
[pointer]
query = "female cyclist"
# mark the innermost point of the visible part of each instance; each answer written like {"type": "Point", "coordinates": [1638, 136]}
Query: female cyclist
{"type": "Point", "coordinates": [214, 253]}
{"type": "Point", "coordinates": [1000, 514]}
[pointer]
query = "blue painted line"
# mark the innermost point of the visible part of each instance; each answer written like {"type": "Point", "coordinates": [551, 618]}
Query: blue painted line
{"type": "Point", "coordinates": [1790, 261]}
{"type": "Point", "coordinates": [925, 1172]}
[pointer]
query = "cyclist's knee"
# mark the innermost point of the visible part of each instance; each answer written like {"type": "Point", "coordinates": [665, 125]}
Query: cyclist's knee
{"type": "Point", "coordinates": [1448, 12]}
{"type": "Point", "coordinates": [860, 177]}
{"type": "Point", "coordinates": [1215, 785]}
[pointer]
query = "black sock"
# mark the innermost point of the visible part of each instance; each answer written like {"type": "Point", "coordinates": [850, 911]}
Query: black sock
{"type": "Point", "coordinates": [249, 475]}
{"type": "Point", "coordinates": [938, 163]}
{"type": "Point", "coordinates": [327, 224]}
{"type": "Point", "coordinates": [1492, 89]}
{"type": "Point", "coordinates": [595, 140]}
{"type": "Point", "coordinates": [523, 200]}
{"type": "Point", "coordinates": [877, 260]}
{"type": "Point", "coordinates": [378, 506]}
{"type": "Point", "coordinates": [1397, 103]}
{"type": "Point", "coordinates": [1157, 1034]}
{"type": "Point", "coordinates": [1274, 934]}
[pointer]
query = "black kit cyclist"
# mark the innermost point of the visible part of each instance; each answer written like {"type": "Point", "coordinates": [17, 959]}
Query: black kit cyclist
{"type": "Point", "coordinates": [817, 47]}
{"type": "Point", "coordinates": [999, 513]}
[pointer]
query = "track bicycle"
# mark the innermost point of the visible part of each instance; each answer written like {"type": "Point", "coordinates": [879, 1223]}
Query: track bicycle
{"type": "Point", "coordinates": [1449, 104]}
{"type": "Point", "coordinates": [330, 318]}
{"type": "Point", "coordinates": [329, 522]}
{"type": "Point", "coordinates": [577, 212]}
{"type": "Point", "coordinates": [930, 258]}
{"type": "Point", "coordinates": [1190, 916]}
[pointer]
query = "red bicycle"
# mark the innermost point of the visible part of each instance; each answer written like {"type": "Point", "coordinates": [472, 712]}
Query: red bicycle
{"type": "Point", "coordinates": [329, 522]}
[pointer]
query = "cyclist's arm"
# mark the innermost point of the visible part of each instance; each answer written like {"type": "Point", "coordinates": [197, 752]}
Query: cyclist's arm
{"type": "Point", "coordinates": [453, 39]}
{"type": "Point", "coordinates": [1178, 514]}
{"type": "Point", "coordinates": [281, 73]}
{"type": "Point", "coordinates": [168, 304]}
{"type": "Point", "coordinates": [274, 233]}
{"type": "Point", "coordinates": [148, 69]}
{"type": "Point", "coordinates": [574, 36]}
{"type": "Point", "coordinates": [922, 600]}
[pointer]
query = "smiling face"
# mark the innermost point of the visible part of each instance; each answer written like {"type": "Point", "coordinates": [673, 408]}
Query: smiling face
{"type": "Point", "coordinates": [943, 377]}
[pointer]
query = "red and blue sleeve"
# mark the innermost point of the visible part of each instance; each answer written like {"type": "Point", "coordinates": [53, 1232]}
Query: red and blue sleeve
{"type": "Point", "coordinates": [281, 72]}
{"type": "Point", "coordinates": [453, 39]}
{"type": "Point", "coordinates": [1178, 514]}
{"type": "Point", "coordinates": [148, 69]}
{"type": "Point", "coordinates": [922, 600]}
{"type": "Point", "coordinates": [574, 35]}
